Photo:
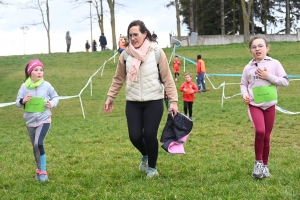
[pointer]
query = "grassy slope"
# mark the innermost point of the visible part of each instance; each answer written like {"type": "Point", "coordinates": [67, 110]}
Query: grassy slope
{"type": "Point", "coordinates": [92, 158]}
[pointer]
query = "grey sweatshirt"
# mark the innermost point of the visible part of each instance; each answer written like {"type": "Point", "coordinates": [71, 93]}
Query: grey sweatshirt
{"type": "Point", "coordinates": [46, 91]}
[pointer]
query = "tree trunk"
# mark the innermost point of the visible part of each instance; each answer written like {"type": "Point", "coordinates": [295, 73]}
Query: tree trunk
{"type": "Point", "coordinates": [48, 30]}
{"type": "Point", "coordinates": [178, 20]}
{"type": "Point", "coordinates": [252, 21]}
{"type": "Point", "coordinates": [111, 5]}
{"type": "Point", "coordinates": [47, 26]}
{"type": "Point", "coordinates": [222, 18]}
{"type": "Point", "coordinates": [192, 25]}
{"type": "Point", "coordinates": [100, 15]}
{"type": "Point", "coordinates": [287, 18]}
{"type": "Point", "coordinates": [233, 18]}
{"type": "Point", "coordinates": [246, 18]}
{"type": "Point", "coordinates": [264, 15]}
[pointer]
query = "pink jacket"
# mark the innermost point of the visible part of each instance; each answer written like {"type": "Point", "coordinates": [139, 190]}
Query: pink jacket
{"type": "Point", "coordinates": [249, 80]}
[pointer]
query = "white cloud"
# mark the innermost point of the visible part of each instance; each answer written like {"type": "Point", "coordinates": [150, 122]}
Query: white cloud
{"type": "Point", "coordinates": [64, 17]}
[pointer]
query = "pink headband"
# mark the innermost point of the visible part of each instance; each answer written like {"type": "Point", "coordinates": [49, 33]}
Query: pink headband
{"type": "Point", "coordinates": [32, 64]}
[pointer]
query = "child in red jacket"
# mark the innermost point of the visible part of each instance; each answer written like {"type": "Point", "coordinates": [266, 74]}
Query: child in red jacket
{"type": "Point", "coordinates": [189, 89]}
{"type": "Point", "coordinates": [176, 67]}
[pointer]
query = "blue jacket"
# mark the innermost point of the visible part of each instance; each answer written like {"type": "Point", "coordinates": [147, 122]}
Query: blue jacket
{"type": "Point", "coordinates": [102, 40]}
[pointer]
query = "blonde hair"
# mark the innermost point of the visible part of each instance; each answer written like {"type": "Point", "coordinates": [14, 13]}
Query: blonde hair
{"type": "Point", "coordinates": [188, 74]}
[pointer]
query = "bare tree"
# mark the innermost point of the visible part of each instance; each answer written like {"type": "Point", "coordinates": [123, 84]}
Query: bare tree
{"type": "Point", "coordinates": [43, 7]}
{"type": "Point", "coordinates": [176, 4]}
{"type": "Point", "coordinates": [111, 5]}
{"type": "Point", "coordinates": [246, 18]}
{"type": "Point", "coordinates": [98, 5]}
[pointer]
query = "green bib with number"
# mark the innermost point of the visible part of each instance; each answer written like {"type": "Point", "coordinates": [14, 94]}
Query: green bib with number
{"type": "Point", "coordinates": [264, 93]}
{"type": "Point", "coordinates": [36, 104]}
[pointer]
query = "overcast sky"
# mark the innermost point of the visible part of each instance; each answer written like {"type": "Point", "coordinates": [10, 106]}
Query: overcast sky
{"type": "Point", "coordinates": [65, 17]}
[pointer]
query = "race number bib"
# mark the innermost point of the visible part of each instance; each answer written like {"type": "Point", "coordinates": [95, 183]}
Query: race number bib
{"type": "Point", "coordinates": [264, 93]}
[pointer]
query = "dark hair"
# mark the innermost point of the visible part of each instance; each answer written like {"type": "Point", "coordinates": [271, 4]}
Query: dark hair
{"type": "Point", "coordinates": [258, 36]}
{"type": "Point", "coordinates": [176, 56]}
{"type": "Point", "coordinates": [26, 75]}
{"type": "Point", "coordinates": [199, 57]}
{"type": "Point", "coordinates": [143, 29]}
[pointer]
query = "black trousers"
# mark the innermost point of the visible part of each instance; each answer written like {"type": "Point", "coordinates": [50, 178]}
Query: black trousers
{"type": "Point", "coordinates": [143, 119]}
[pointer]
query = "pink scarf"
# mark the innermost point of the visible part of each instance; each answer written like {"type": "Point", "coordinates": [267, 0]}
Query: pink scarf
{"type": "Point", "coordinates": [139, 55]}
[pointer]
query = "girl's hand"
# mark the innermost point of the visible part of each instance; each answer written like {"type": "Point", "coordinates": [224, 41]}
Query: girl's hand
{"type": "Point", "coordinates": [263, 74]}
{"type": "Point", "coordinates": [27, 98]}
{"type": "Point", "coordinates": [108, 106]}
{"type": "Point", "coordinates": [246, 99]}
{"type": "Point", "coordinates": [48, 105]}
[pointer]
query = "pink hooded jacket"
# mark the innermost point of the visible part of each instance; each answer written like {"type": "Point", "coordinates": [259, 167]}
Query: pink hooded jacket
{"type": "Point", "coordinates": [250, 80]}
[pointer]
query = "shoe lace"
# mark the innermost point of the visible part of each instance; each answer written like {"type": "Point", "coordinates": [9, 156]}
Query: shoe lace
{"type": "Point", "coordinates": [258, 166]}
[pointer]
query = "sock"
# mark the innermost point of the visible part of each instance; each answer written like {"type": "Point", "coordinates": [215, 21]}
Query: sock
{"type": "Point", "coordinates": [43, 162]}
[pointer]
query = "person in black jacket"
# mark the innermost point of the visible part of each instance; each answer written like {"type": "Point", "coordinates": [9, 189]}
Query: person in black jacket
{"type": "Point", "coordinates": [94, 45]}
{"type": "Point", "coordinates": [103, 42]}
{"type": "Point", "coordinates": [87, 46]}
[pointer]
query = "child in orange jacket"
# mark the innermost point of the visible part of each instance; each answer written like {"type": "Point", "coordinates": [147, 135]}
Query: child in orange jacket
{"type": "Point", "coordinates": [176, 67]}
{"type": "Point", "coordinates": [189, 89]}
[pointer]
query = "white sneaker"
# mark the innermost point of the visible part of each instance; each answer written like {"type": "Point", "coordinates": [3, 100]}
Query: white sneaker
{"type": "Point", "coordinates": [144, 164]}
{"type": "Point", "coordinates": [258, 170]}
{"type": "Point", "coordinates": [175, 79]}
{"type": "Point", "coordinates": [151, 172]}
{"type": "Point", "coordinates": [266, 172]}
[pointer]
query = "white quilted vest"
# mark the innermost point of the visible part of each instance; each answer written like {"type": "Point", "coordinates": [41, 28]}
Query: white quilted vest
{"type": "Point", "coordinates": [148, 86]}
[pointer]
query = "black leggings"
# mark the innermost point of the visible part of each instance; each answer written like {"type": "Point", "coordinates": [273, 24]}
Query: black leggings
{"type": "Point", "coordinates": [143, 119]}
{"type": "Point", "coordinates": [188, 106]}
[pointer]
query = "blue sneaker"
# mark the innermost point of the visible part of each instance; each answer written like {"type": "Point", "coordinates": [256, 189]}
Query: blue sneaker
{"type": "Point", "coordinates": [144, 164]}
{"type": "Point", "coordinates": [43, 176]}
{"type": "Point", "coordinates": [152, 172]}
{"type": "Point", "coordinates": [37, 174]}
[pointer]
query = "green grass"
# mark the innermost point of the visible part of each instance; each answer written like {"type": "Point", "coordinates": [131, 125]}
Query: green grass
{"type": "Point", "coordinates": [92, 157]}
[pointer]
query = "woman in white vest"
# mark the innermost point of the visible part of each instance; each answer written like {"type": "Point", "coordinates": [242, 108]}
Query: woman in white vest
{"type": "Point", "coordinates": [145, 77]}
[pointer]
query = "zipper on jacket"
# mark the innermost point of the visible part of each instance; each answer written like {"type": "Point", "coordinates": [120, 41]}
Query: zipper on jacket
{"type": "Point", "coordinates": [140, 81]}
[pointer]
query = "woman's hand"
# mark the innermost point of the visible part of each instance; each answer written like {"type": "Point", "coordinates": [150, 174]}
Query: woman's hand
{"type": "Point", "coordinates": [173, 108]}
{"type": "Point", "coordinates": [108, 106]}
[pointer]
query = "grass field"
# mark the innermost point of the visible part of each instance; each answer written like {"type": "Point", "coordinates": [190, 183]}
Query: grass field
{"type": "Point", "coordinates": [92, 157]}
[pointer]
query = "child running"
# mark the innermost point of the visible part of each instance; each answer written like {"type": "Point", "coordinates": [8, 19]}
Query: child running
{"type": "Point", "coordinates": [37, 97]}
{"type": "Point", "coordinates": [189, 89]}
{"type": "Point", "coordinates": [176, 67]}
{"type": "Point", "coordinates": [259, 82]}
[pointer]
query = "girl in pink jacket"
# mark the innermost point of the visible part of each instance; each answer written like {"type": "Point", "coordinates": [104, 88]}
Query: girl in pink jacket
{"type": "Point", "coordinates": [259, 82]}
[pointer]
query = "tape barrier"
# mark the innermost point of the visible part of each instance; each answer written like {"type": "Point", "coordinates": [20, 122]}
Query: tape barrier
{"type": "Point", "coordinates": [79, 95]}
{"type": "Point", "coordinates": [223, 85]}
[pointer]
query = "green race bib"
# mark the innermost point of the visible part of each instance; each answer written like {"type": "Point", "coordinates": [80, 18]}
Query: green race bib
{"type": "Point", "coordinates": [36, 104]}
{"type": "Point", "coordinates": [264, 93]}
